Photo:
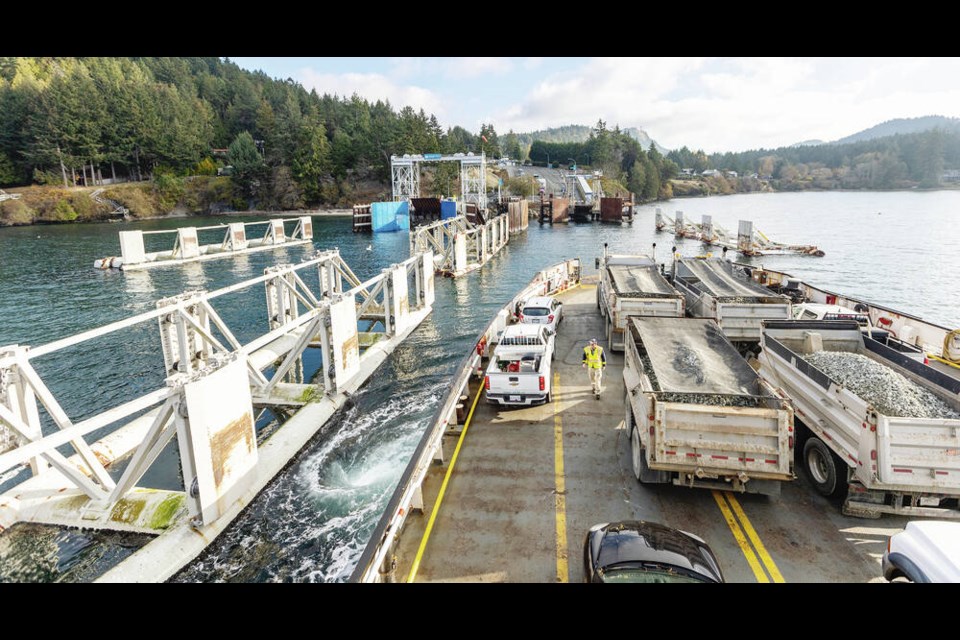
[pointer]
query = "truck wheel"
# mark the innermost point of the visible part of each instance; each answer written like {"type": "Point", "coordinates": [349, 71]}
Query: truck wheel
{"type": "Point", "coordinates": [820, 465]}
{"type": "Point", "coordinates": [637, 454]}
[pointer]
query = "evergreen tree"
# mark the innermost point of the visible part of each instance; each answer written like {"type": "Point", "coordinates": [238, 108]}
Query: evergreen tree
{"type": "Point", "coordinates": [248, 165]}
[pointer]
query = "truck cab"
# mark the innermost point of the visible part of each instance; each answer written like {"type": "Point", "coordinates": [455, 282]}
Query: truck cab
{"type": "Point", "coordinates": [519, 372]}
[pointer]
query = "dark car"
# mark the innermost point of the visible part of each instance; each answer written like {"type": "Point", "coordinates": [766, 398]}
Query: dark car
{"type": "Point", "coordinates": [647, 552]}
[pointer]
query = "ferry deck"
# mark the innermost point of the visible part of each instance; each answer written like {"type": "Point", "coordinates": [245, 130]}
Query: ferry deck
{"type": "Point", "coordinates": [527, 484]}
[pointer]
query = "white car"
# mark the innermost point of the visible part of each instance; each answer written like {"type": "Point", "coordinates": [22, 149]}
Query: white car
{"type": "Point", "coordinates": [542, 310]}
{"type": "Point", "coordinates": [925, 551]}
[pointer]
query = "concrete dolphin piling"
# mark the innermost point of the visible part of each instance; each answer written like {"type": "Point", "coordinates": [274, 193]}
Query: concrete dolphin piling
{"type": "Point", "coordinates": [238, 239]}
{"type": "Point", "coordinates": [460, 246]}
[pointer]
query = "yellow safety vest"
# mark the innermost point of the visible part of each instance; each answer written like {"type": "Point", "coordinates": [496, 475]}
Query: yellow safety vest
{"type": "Point", "coordinates": [593, 359]}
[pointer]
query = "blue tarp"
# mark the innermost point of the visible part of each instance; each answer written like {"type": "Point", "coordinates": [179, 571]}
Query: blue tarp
{"type": "Point", "coordinates": [448, 209]}
{"type": "Point", "coordinates": [390, 216]}
{"type": "Point", "coordinates": [403, 216]}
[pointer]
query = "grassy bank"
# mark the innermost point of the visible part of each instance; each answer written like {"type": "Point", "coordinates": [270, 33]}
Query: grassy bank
{"type": "Point", "coordinates": [168, 194]}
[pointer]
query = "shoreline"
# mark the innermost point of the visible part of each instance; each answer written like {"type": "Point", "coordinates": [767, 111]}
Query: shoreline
{"type": "Point", "coordinates": [316, 213]}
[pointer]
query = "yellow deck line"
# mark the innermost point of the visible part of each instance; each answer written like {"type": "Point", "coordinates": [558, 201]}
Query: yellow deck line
{"type": "Point", "coordinates": [443, 489]}
{"type": "Point", "coordinates": [768, 562]}
{"type": "Point", "coordinates": [740, 538]}
{"type": "Point", "coordinates": [560, 489]}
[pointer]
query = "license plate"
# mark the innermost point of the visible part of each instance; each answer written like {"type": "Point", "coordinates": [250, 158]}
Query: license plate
{"type": "Point", "coordinates": [514, 398]}
{"type": "Point", "coordinates": [929, 501]}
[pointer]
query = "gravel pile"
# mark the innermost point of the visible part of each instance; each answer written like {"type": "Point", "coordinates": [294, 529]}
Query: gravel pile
{"type": "Point", "coordinates": [688, 362]}
{"type": "Point", "coordinates": [712, 399]}
{"type": "Point", "coordinates": [889, 392]}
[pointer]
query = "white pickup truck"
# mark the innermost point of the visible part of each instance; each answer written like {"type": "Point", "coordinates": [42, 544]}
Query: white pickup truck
{"type": "Point", "coordinates": [519, 371]}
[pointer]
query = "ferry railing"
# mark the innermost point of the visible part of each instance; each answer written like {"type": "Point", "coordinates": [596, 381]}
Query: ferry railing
{"type": "Point", "coordinates": [197, 343]}
{"type": "Point", "coordinates": [479, 242]}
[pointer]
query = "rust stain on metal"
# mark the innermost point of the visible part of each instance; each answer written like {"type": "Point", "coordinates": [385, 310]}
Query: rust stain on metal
{"type": "Point", "coordinates": [104, 460]}
{"type": "Point", "coordinates": [237, 433]}
{"type": "Point", "coordinates": [239, 236]}
{"type": "Point", "coordinates": [611, 209]}
{"type": "Point", "coordinates": [350, 345]}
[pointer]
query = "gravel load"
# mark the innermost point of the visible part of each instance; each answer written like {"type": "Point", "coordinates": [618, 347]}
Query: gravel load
{"type": "Point", "coordinates": [889, 392]}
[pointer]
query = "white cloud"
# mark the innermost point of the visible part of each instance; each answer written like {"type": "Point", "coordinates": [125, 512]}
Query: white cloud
{"type": "Point", "coordinates": [532, 63]}
{"type": "Point", "coordinates": [473, 67]}
{"type": "Point", "coordinates": [373, 86]}
{"type": "Point", "coordinates": [736, 104]}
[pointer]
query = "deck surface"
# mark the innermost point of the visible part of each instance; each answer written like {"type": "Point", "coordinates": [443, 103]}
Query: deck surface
{"type": "Point", "coordinates": [502, 511]}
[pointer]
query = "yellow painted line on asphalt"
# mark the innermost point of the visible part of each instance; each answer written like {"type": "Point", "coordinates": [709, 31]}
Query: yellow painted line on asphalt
{"type": "Point", "coordinates": [443, 489]}
{"type": "Point", "coordinates": [740, 538]}
{"type": "Point", "coordinates": [560, 486]}
{"type": "Point", "coordinates": [768, 562]}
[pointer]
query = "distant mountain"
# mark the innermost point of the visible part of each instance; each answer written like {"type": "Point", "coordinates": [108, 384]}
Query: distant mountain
{"type": "Point", "coordinates": [808, 143]}
{"type": "Point", "coordinates": [580, 133]}
{"type": "Point", "coordinates": [644, 139]}
{"type": "Point", "coordinates": [902, 126]}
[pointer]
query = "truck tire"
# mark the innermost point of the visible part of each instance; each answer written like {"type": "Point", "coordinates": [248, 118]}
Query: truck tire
{"type": "Point", "coordinates": [821, 466]}
{"type": "Point", "coordinates": [638, 454]}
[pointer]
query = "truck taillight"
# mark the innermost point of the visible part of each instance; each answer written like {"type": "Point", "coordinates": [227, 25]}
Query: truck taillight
{"type": "Point", "coordinates": [550, 319]}
{"type": "Point", "coordinates": [790, 441]}
{"type": "Point", "coordinates": [486, 382]}
{"type": "Point", "coordinates": [521, 317]}
{"type": "Point", "coordinates": [543, 383]}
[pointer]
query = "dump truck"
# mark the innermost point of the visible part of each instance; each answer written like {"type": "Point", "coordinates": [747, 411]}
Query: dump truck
{"type": "Point", "coordinates": [876, 424]}
{"type": "Point", "coordinates": [633, 285]}
{"type": "Point", "coordinates": [698, 414]}
{"type": "Point", "coordinates": [715, 289]}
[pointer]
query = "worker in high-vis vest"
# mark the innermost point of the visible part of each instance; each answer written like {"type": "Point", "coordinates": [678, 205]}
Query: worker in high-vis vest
{"type": "Point", "coordinates": [594, 361]}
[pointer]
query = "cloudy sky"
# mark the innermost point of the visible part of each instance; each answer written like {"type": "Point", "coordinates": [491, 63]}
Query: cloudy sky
{"type": "Point", "coordinates": [717, 104]}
